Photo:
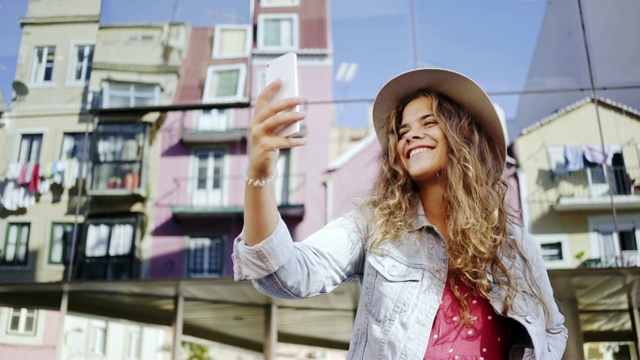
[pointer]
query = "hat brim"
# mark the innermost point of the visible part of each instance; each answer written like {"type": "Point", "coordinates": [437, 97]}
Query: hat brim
{"type": "Point", "coordinates": [455, 86]}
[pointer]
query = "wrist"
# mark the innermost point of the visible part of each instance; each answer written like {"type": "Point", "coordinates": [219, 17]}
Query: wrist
{"type": "Point", "coordinates": [253, 179]}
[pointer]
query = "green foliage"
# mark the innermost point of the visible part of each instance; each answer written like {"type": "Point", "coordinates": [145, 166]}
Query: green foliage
{"type": "Point", "coordinates": [196, 351]}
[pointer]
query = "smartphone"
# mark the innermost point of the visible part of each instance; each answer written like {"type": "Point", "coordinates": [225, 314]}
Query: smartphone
{"type": "Point", "coordinates": [285, 68]}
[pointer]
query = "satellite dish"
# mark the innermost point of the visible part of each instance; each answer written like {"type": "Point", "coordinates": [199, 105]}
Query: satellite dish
{"type": "Point", "coordinates": [20, 88]}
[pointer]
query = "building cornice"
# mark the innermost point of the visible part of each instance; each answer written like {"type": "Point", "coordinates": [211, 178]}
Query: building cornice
{"type": "Point", "coordinates": [69, 19]}
{"type": "Point", "coordinates": [147, 69]}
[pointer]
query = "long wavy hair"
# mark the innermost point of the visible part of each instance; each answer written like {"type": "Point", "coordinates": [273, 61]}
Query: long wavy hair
{"type": "Point", "coordinates": [478, 246]}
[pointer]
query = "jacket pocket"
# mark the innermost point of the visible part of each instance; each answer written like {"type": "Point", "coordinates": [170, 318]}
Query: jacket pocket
{"type": "Point", "coordinates": [389, 286]}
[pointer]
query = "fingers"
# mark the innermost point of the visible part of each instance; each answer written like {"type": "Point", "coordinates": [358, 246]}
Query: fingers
{"type": "Point", "coordinates": [271, 115]}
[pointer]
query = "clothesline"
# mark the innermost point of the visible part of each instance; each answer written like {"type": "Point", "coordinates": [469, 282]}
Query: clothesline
{"type": "Point", "coordinates": [25, 180]}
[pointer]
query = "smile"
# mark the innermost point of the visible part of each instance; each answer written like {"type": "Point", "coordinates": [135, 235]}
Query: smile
{"type": "Point", "coordinates": [417, 151]}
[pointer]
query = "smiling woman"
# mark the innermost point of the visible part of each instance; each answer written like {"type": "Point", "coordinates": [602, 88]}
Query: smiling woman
{"type": "Point", "coordinates": [446, 273]}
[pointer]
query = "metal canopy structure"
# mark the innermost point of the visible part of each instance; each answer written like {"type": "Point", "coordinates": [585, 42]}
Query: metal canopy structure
{"type": "Point", "coordinates": [236, 314]}
{"type": "Point", "coordinates": [219, 310]}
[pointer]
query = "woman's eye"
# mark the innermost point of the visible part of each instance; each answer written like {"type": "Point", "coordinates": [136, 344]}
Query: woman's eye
{"type": "Point", "coordinates": [429, 123]}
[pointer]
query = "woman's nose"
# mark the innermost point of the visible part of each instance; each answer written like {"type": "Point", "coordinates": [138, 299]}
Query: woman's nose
{"type": "Point", "coordinates": [414, 135]}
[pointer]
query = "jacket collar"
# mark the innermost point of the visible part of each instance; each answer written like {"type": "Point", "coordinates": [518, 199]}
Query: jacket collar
{"type": "Point", "coordinates": [420, 221]}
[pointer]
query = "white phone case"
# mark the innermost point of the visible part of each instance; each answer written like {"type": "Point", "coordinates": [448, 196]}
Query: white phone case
{"type": "Point", "coordinates": [285, 68]}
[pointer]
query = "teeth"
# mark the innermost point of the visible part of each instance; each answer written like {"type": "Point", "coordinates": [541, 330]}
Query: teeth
{"type": "Point", "coordinates": [417, 151]}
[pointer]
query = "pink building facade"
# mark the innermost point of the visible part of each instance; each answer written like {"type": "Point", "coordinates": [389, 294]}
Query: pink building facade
{"type": "Point", "coordinates": [199, 188]}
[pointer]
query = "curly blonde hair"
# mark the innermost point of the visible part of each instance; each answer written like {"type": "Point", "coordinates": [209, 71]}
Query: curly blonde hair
{"type": "Point", "coordinates": [475, 210]}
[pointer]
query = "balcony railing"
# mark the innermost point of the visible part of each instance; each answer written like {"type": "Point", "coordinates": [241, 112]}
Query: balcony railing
{"type": "Point", "coordinates": [594, 182]}
{"type": "Point", "coordinates": [627, 258]}
{"type": "Point", "coordinates": [588, 190]}
{"type": "Point", "coordinates": [224, 196]}
{"type": "Point", "coordinates": [214, 125]}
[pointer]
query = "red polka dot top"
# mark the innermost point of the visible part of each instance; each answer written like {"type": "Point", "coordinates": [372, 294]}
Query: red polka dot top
{"type": "Point", "coordinates": [486, 337]}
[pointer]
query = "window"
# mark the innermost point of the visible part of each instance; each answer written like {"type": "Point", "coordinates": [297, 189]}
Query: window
{"type": "Point", "coordinates": [61, 238]}
{"type": "Point", "coordinates": [117, 161]}
{"type": "Point", "coordinates": [109, 240]}
{"type": "Point", "coordinates": [214, 119]}
{"type": "Point", "coordinates": [552, 251]}
{"type": "Point", "coordinates": [42, 66]}
{"type": "Point", "coordinates": [108, 249]}
{"type": "Point", "coordinates": [615, 248]}
{"type": "Point", "coordinates": [209, 181]}
{"type": "Point", "coordinates": [22, 321]}
{"type": "Point", "coordinates": [283, 181]}
{"type": "Point", "coordinates": [278, 31]}
{"type": "Point", "coordinates": [82, 62]}
{"type": "Point", "coordinates": [279, 3]}
{"type": "Point", "coordinates": [73, 146]}
{"type": "Point", "coordinates": [224, 83]}
{"type": "Point", "coordinates": [98, 337]}
{"type": "Point", "coordinates": [231, 41]}
{"type": "Point", "coordinates": [122, 95]}
{"type": "Point", "coordinates": [628, 240]}
{"type": "Point", "coordinates": [205, 257]}
{"type": "Point", "coordinates": [555, 250]}
{"type": "Point", "coordinates": [29, 150]}
{"type": "Point", "coordinates": [133, 343]}
{"type": "Point", "coordinates": [16, 245]}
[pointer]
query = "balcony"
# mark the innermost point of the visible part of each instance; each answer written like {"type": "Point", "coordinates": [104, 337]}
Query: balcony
{"type": "Point", "coordinates": [627, 258]}
{"type": "Point", "coordinates": [223, 198]}
{"type": "Point", "coordinates": [588, 189]}
{"type": "Point", "coordinates": [211, 126]}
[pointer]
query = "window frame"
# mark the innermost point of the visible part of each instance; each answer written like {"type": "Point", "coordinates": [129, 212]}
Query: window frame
{"type": "Point", "coordinates": [224, 177]}
{"type": "Point", "coordinates": [295, 31]}
{"type": "Point", "coordinates": [42, 65]}
{"type": "Point", "coordinates": [24, 313]}
{"type": "Point", "coordinates": [240, 90]}
{"type": "Point", "coordinates": [66, 244]}
{"type": "Point", "coordinates": [206, 262]}
{"type": "Point", "coordinates": [32, 137]}
{"type": "Point", "coordinates": [103, 130]}
{"type": "Point", "coordinates": [75, 136]}
{"type": "Point", "coordinates": [87, 64]}
{"type": "Point", "coordinates": [267, 4]}
{"type": "Point", "coordinates": [215, 51]}
{"type": "Point", "coordinates": [93, 344]}
{"type": "Point", "coordinates": [563, 239]}
{"type": "Point", "coordinates": [107, 91]}
{"type": "Point", "coordinates": [14, 263]}
{"type": "Point", "coordinates": [603, 224]}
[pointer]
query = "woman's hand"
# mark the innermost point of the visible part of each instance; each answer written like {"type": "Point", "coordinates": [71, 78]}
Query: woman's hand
{"type": "Point", "coordinates": [264, 142]}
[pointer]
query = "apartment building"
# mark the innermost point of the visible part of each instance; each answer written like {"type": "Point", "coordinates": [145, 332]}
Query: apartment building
{"type": "Point", "coordinates": [580, 199]}
{"type": "Point", "coordinates": [200, 182]}
{"type": "Point", "coordinates": [128, 167]}
{"type": "Point", "coordinates": [76, 180]}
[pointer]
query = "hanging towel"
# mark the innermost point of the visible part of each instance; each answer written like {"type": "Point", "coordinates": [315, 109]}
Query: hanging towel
{"type": "Point", "coordinates": [597, 155]}
{"type": "Point", "coordinates": [22, 177]}
{"type": "Point", "coordinates": [35, 178]}
{"type": "Point", "coordinates": [574, 158]}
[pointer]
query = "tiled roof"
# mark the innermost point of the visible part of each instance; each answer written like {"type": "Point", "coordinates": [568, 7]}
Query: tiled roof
{"type": "Point", "coordinates": [574, 106]}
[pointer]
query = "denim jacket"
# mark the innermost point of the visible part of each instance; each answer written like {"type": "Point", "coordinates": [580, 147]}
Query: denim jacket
{"type": "Point", "coordinates": [402, 285]}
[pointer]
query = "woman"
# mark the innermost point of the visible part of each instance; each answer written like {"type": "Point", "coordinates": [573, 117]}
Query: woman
{"type": "Point", "coordinates": [444, 273]}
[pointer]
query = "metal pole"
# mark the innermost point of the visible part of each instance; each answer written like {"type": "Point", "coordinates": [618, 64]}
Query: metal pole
{"type": "Point", "coordinates": [595, 101]}
{"type": "Point", "coordinates": [270, 331]}
{"type": "Point", "coordinates": [178, 317]}
{"type": "Point", "coordinates": [64, 303]}
{"type": "Point", "coordinates": [635, 316]}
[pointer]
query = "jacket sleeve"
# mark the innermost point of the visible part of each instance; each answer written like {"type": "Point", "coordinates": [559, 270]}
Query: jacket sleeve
{"type": "Point", "coordinates": [556, 331]}
{"type": "Point", "coordinates": [282, 268]}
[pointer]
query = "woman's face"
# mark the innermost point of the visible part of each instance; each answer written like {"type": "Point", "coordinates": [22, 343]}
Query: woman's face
{"type": "Point", "coordinates": [422, 145]}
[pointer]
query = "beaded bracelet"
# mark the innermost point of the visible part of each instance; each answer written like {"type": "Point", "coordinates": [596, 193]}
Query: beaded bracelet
{"type": "Point", "coordinates": [258, 182]}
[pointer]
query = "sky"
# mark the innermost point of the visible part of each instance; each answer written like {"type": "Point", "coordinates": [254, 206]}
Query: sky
{"type": "Point", "coordinates": [492, 41]}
